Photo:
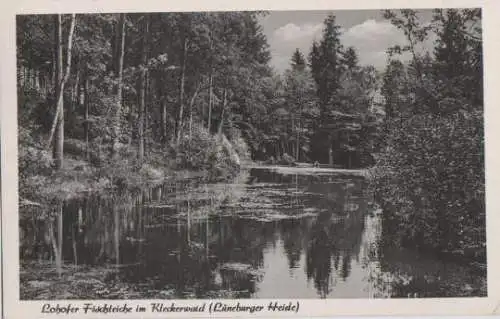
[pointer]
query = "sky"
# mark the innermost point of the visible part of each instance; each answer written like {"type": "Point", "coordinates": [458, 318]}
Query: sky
{"type": "Point", "coordinates": [366, 30]}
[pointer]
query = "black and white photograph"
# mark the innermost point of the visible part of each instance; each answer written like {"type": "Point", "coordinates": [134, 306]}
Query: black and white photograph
{"type": "Point", "coordinates": [307, 154]}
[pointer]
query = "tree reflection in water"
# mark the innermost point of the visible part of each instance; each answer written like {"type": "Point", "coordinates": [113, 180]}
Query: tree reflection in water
{"type": "Point", "coordinates": [189, 239]}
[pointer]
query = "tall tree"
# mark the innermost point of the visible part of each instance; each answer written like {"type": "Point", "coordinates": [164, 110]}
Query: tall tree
{"type": "Point", "coordinates": [58, 151]}
{"type": "Point", "coordinates": [458, 52]}
{"type": "Point", "coordinates": [58, 123]}
{"type": "Point", "coordinates": [118, 57]}
{"type": "Point", "coordinates": [300, 101]}
{"type": "Point", "coordinates": [326, 65]}
{"type": "Point", "coordinates": [182, 81]}
{"type": "Point", "coordinates": [142, 86]}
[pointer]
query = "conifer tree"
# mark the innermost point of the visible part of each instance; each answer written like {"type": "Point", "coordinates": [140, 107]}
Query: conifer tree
{"type": "Point", "coordinates": [298, 61]}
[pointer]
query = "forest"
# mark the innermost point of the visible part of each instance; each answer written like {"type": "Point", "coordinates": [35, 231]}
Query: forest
{"type": "Point", "coordinates": [119, 102]}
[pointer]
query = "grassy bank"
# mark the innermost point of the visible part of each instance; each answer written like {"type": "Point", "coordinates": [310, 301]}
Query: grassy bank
{"type": "Point", "coordinates": [96, 171]}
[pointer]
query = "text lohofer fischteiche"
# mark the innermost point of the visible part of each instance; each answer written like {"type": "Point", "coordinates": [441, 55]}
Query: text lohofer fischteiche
{"type": "Point", "coordinates": [172, 307]}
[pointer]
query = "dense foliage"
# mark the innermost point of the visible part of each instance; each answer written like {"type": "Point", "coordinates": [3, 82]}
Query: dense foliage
{"type": "Point", "coordinates": [430, 176]}
{"type": "Point", "coordinates": [165, 91]}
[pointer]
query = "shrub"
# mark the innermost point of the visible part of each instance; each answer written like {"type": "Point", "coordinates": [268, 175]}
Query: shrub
{"type": "Point", "coordinates": [287, 160]}
{"type": "Point", "coordinates": [430, 180]}
{"type": "Point", "coordinates": [240, 146]}
{"type": "Point", "coordinates": [193, 152]}
{"type": "Point", "coordinates": [204, 152]}
{"type": "Point", "coordinates": [32, 161]}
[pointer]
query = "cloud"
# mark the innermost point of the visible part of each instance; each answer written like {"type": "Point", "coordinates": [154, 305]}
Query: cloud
{"type": "Point", "coordinates": [372, 28]}
{"type": "Point", "coordinates": [286, 39]}
{"type": "Point", "coordinates": [291, 31]}
{"type": "Point", "coordinates": [371, 39]}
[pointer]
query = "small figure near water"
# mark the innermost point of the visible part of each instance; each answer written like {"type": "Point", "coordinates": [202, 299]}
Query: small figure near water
{"type": "Point", "coordinates": [316, 164]}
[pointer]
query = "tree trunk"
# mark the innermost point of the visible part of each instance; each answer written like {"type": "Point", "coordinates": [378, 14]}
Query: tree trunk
{"type": "Point", "coordinates": [33, 81]}
{"type": "Point", "coordinates": [74, 236]}
{"type": "Point", "coordinates": [210, 102]}
{"type": "Point", "coordinates": [188, 230]}
{"type": "Point", "coordinates": [348, 152]}
{"type": "Point", "coordinates": [164, 118]}
{"type": "Point", "coordinates": [140, 223]}
{"type": "Point", "coordinates": [191, 104]}
{"type": "Point", "coordinates": [47, 86]}
{"type": "Point", "coordinates": [55, 248]}
{"type": "Point", "coordinates": [224, 102]}
{"type": "Point", "coordinates": [181, 93]}
{"type": "Point", "coordinates": [53, 75]}
{"type": "Point", "coordinates": [27, 79]}
{"type": "Point", "coordinates": [86, 117]}
{"type": "Point", "coordinates": [330, 151]}
{"type": "Point", "coordinates": [207, 236]}
{"type": "Point", "coordinates": [37, 80]}
{"type": "Point", "coordinates": [80, 102]}
{"type": "Point", "coordinates": [75, 93]}
{"type": "Point", "coordinates": [59, 117]}
{"type": "Point", "coordinates": [120, 52]}
{"type": "Point", "coordinates": [211, 82]}
{"type": "Point", "coordinates": [142, 88]}
{"type": "Point", "coordinates": [21, 76]}
{"type": "Point", "coordinates": [58, 123]}
{"type": "Point", "coordinates": [60, 237]}
{"type": "Point", "coordinates": [297, 147]}
{"type": "Point", "coordinates": [147, 124]}
{"type": "Point", "coordinates": [117, 235]}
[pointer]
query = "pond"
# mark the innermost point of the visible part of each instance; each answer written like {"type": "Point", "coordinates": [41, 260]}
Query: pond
{"type": "Point", "coordinates": [271, 233]}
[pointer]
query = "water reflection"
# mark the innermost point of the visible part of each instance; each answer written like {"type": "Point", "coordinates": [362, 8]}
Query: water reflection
{"type": "Point", "coordinates": [267, 235]}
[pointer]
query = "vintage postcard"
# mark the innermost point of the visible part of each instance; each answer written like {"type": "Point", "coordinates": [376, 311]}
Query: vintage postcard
{"type": "Point", "coordinates": [249, 160]}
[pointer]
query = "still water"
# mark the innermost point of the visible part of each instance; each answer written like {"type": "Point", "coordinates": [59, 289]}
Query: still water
{"type": "Point", "coordinates": [268, 234]}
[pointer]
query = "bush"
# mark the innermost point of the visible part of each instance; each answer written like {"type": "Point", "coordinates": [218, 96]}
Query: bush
{"type": "Point", "coordinates": [287, 160]}
{"type": "Point", "coordinates": [32, 161]}
{"type": "Point", "coordinates": [203, 152]}
{"type": "Point", "coordinates": [193, 152]}
{"type": "Point", "coordinates": [240, 146]}
{"type": "Point", "coordinates": [430, 182]}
